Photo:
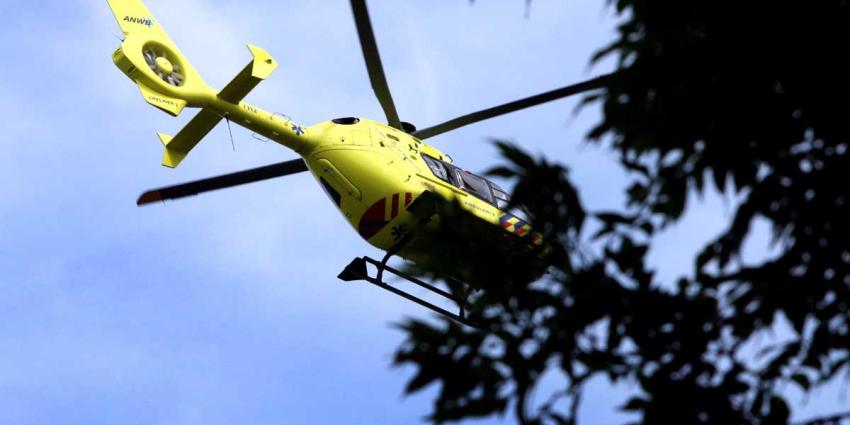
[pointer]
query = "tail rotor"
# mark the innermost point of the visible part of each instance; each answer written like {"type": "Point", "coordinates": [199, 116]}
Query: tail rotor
{"type": "Point", "coordinates": [165, 65]}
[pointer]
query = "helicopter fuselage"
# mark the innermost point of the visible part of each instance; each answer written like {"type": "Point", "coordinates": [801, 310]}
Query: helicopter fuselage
{"type": "Point", "coordinates": [373, 172]}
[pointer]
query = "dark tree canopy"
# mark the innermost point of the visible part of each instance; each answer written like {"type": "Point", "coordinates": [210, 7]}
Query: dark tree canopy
{"type": "Point", "coordinates": [745, 97]}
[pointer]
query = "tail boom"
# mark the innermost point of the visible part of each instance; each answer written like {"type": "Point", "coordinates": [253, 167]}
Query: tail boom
{"type": "Point", "coordinates": [272, 126]}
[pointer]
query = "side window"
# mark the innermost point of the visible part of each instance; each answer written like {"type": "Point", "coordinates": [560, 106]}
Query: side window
{"type": "Point", "coordinates": [437, 167]}
{"type": "Point", "coordinates": [501, 197]}
{"type": "Point", "coordinates": [473, 184]}
{"type": "Point", "coordinates": [468, 182]}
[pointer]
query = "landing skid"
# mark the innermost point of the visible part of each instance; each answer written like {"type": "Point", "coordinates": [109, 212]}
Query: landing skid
{"type": "Point", "coordinates": [424, 207]}
{"type": "Point", "coordinates": [358, 270]}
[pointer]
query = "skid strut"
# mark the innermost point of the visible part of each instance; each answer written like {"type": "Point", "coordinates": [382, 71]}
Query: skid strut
{"type": "Point", "coordinates": [358, 270]}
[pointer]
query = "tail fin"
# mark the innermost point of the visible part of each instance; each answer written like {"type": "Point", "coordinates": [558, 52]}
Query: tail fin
{"type": "Point", "coordinates": [169, 82]}
{"type": "Point", "coordinates": [134, 17]}
{"type": "Point", "coordinates": [148, 56]}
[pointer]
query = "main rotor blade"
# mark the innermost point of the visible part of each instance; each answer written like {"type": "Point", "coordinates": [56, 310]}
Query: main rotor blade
{"type": "Point", "coordinates": [373, 62]}
{"type": "Point", "coordinates": [512, 107]}
{"type": "Point", "coordinates": [221, 182]}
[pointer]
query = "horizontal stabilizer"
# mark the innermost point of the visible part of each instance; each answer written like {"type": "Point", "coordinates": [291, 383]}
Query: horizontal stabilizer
{"type": "Point", "coordinates": [177, 147]}
{"type": "Point", "coordinates": [222, 182]}
{"type": "Point", "coordinates": [171, 157]}
{"type": "Point", "coordinates": [258, 70]}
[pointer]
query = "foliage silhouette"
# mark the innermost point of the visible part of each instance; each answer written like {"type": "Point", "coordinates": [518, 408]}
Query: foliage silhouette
{"type": "Point", "coordinates": [750, 96]}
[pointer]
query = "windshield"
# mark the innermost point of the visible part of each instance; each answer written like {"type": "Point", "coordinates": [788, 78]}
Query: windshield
{"type": "Point", "coordinates": [501, 197]}
{"type": "Point", "coordinates": [437, 167]}
{"type": "Point", "coordinates": [473, 184]}
{"type": "Point", "coordinates": [468, 182]}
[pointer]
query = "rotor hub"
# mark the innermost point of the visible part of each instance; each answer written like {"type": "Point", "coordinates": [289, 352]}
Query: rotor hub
{"type": "Point", "coordinates": [164, 65]}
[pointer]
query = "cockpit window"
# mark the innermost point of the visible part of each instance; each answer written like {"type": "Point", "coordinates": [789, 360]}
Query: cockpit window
{"type": "Point", "coordinates": [437, 167]}
{"type": "Point", "coordinates": [501, 197]}
{"type": "Point", "coordinates": [474, 184]}
{"type": "Point", "coordinates": [468, 182]}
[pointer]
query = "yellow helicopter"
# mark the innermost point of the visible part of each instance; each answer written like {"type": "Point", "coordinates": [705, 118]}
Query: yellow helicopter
{"type": "Point", "coordinates": [378, 175]}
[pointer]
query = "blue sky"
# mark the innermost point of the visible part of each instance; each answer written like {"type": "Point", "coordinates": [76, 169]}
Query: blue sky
{"type": "Point", "coordinates": [225, 308]}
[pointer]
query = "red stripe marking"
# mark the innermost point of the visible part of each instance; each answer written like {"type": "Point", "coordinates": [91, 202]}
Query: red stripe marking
{"type": "Point", "coordinates": [395, 207]}
{"type": "Point", "coordinates": [408, 198]}
{"type": "Point", "coordinates": [376, 212]}
{"type": "Point", "coordinates": [373, 220]}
